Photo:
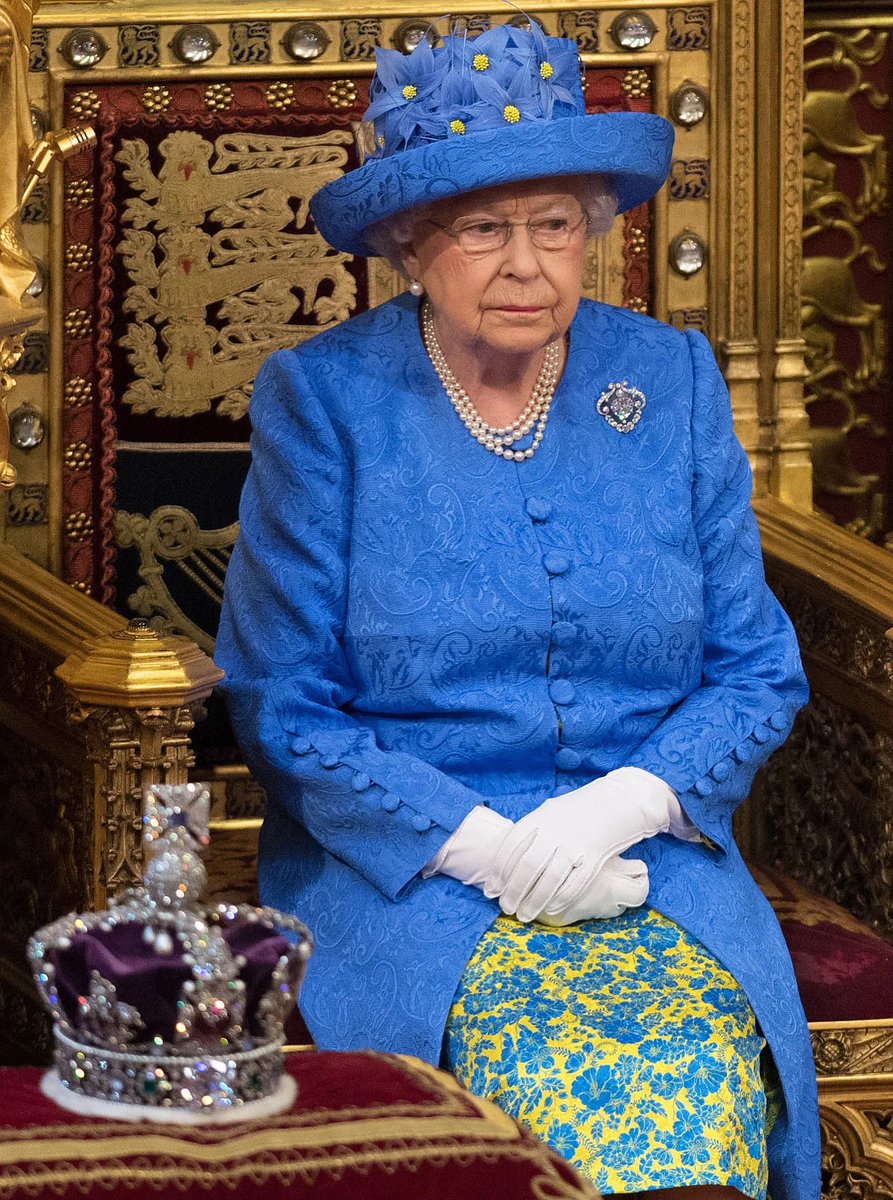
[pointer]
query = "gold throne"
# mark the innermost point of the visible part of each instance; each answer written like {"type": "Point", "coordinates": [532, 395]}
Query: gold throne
{"type": "Point", "coordinates": [172, 257]}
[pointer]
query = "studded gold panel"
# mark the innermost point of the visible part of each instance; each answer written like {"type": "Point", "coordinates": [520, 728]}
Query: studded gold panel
{"type": "Point", "coordinates": [696, 63]}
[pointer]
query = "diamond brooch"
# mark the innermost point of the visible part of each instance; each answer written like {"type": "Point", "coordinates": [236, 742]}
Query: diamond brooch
{"type": "Point", "coordinates": [621, 406]}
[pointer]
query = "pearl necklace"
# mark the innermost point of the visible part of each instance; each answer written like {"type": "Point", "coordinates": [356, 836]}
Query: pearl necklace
{"type": "Point", "coordinates": [498, 439]}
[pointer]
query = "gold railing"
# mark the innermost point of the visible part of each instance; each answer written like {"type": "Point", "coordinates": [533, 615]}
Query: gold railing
{"type": "Point", "coordinates": [93, 710]}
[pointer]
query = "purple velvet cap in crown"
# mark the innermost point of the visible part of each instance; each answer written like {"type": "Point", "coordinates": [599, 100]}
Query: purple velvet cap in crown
{"type": "Point", "coordinates": [504, 106]}
{"type": "Point", "coordinates": [165, 1010]}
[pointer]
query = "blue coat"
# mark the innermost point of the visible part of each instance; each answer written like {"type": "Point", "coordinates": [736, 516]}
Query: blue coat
{"type": "Point", "coordinates": [413, 626]}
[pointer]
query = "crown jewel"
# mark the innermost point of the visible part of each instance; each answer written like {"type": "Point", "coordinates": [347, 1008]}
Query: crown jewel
{"type": "Point", "coordinates": [163, 1009]}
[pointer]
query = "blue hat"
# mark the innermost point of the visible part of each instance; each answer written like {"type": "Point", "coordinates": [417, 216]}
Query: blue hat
{"type": "Point", "coordinates": [501, 107]}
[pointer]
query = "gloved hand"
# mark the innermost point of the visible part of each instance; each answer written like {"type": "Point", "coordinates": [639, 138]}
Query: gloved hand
{"type": "Point", "coordinates": [620, 884]}
{"type": "Point", "coordinates": [578, 833]}
{"type": "Point", "coordinates": [468, 853]}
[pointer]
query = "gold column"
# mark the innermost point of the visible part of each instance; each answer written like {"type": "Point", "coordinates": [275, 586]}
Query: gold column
{"type": "Point", "coordinates": [137, 695]}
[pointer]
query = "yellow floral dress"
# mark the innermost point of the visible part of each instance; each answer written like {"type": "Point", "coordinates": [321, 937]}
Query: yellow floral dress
{"type": "Point", "coordinates": [625, 1045]}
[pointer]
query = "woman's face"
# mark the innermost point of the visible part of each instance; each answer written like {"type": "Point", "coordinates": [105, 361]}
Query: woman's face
{"type": "Point", "coordinates": [515, 299]}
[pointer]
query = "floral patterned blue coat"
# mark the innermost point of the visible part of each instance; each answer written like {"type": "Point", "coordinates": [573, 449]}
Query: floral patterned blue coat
{"type": "Point", "coordinates": [413, 626]}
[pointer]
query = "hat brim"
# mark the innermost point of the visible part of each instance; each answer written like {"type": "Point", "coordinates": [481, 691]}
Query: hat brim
{"type": "Point", "coordinates": [634, 150]}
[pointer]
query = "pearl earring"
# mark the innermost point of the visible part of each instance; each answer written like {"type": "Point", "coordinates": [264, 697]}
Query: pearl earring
{"type": "Point", "coordinates": [416, 287]}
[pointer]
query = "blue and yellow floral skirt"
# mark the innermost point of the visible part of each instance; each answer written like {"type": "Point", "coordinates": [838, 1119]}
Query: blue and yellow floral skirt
{"type": "Point", "coordinates": [625, 1045]}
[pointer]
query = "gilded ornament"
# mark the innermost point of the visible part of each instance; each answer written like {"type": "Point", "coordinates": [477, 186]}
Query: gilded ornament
{"type": "Point", "coordinates": [833, 304]}
{"type": "Point", "coordinates": [688, 28]}
{"type": "Point", "coordinates": [689, 179]}
{"type": "Point", "coordinates": [39, 57]}
{"type": "Point", "coordinates": [633, 30]}
{"type": "Point", "coordinates": [342, 93]}
{"type": "Point", "coordinates": [691, 318]}
{"type": "Point", "coordinates": [27, 428]}
{"type": "Point", "coordinates": [256, 188]}
{"type": "Point", "coordinates": [173, 550]}
{"type": "Point", "coordinates": [688, 253]}
{"type": "Point", "coordinates": [359, 38]}
{"type": "Point", "coordinates": [27, 505]}
{"type": "Point", "coordinates": [219, 97]}
{"type": "Point", "coordinates": [637, 83]}
{"type": "Point", "coordinates": [156, 98]}
{"type": "Point", "coordinates": [77, 323]}
{"type": "Point", "coordinates": [78, 456]}
{"type": "Point", "coordinates": [35, 356]}
{"type": "Point", "coordinates": [194, 44]}
{"type": "Point", "coordinates": [249, 42]}
{"type": "Point", "coordinates": [637, 240]}
{"type": "Point", "coordinates": [408, 34]}
{"type": "Point", "coordinates": [83, 48]}
{"type": "Point", "coordinates": [77, 392]}
{"type": "Point", "coordinates": [636, 304]}
{"type": "Point", "coordinates": [469, 26]}
{"type": "Point", "coordinates": [17, 265]}
{"type": "Point", "coordinates": [280, 95]}
{"type": "Point", "coordinates": [78, 256]}
{"type": "Point", "coordinates": [689, 105]}
{"type": "Point", "coordinates": [78, 526]}
{"type": "Point", "coordinates": [36, 209]}
{"type": "Point", "coordinates": [84, 105]}
{"type": "Point", "coordinates": [38, 284]}
{"type": "Point", "coordinates": [138, 46]}
{"type": "Point", "coordinates": [39, 123]}
{"type": "Point", "coordinates": [305, 41]}
{"type": "Point", "coordinates": [581, 27]}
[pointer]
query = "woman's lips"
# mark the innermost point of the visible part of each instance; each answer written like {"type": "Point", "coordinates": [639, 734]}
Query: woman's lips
{"type": "Point", "coordinates": [519, 308]}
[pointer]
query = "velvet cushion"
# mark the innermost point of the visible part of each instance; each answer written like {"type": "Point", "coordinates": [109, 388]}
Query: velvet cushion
{"type": "Point", "coordinates": [376, 1126]}
{"type": "Point", "coordinates": [844, 969]}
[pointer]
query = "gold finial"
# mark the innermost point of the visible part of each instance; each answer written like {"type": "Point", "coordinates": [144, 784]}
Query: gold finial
{"type": "Point", "coordinates": [22, 164]}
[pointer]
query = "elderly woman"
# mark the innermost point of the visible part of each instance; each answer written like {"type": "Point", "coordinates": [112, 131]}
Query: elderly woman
{"type": "Point", "coordinates": [500, 649]}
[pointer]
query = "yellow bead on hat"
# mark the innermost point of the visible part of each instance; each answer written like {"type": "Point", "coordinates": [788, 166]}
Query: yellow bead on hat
{"type": "Point", "coordinates": [511, 113]}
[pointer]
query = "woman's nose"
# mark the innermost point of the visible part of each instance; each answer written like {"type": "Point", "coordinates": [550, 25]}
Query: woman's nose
{"type": "Point", "coordinates": [519, 254]}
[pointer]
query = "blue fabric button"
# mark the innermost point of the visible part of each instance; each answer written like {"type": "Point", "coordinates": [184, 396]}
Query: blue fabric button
{"type": "Point", "coordinates": [721, 770]}
{"type": "Point", "coordinates": [539, 509]}
{"type": "Point", "coordinates": [761, 734]}
{"type": "Point", "coordinates": [329, 761]}
{"type": "Point", "coordinates": [421, 823]}
{"type": "Point", "coordinates": [360, 781]}
{"type": "Point", "coordinates": [779, 720]}
{"type": "Point", "coordinates": [301, 745]}
{"type": "Point", "coordinates": [704, 786]}
{"type": "Point", "coordinates": [561, 691]}
{"type": "Point", "coordinates": [563, 633]}
{"type": "Point", "coordinates": [555, 562]}
{"type": "Point", "coordinates": [567, 759]}
{"type": "Point", "coordinates": [389, 802]}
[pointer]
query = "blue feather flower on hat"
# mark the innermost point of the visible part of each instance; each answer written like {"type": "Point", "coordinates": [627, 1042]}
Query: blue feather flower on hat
{"type": "Point", "coordinates": [502, 76]}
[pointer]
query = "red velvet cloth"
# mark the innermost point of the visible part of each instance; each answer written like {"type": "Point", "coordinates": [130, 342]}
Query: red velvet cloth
{"type": "Point", "coordinates": [363, 1125]}
{"type": "Point", "coordinates": [844, 969]}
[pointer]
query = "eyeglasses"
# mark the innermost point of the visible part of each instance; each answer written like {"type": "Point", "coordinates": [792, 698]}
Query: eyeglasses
{"type": "Point", "coordinates": [481, 237]}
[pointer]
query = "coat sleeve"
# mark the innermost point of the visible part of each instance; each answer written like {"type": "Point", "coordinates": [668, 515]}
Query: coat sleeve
{"type": "Point", "coordinates": [711, 745]}
{"type": "Point", "coordinates": [288, 682]}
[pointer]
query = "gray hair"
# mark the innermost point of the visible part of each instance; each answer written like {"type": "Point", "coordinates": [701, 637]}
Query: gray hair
{"type": "Point", "coordinates": [595, 193]}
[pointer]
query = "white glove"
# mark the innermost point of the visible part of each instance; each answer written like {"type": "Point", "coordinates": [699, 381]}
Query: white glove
{"type": "Point", "coordinates": [620, 884]}
{"type": "Point", "coordinates": [579, 832]}
{"type": "Point", "coordinates": [468, 853]}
